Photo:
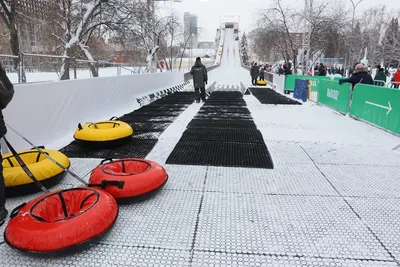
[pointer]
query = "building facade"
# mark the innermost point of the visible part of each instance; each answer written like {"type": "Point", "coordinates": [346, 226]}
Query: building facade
{"type": "Point", "coordinates": [191, 33]}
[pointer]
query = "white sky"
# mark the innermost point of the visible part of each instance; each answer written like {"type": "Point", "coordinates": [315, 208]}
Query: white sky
{"type": "Point", "coordinates": [209, 11]}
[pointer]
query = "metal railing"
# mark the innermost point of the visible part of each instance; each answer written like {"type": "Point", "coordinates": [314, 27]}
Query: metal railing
{"type": "Point", "coordinates": [28, 67]}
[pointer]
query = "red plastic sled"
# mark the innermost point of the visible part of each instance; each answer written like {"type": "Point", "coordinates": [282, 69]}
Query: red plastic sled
{"type": "Point", "coordinates": [61, 220]}
{"type": "Point", "coordinates": [140, 176]}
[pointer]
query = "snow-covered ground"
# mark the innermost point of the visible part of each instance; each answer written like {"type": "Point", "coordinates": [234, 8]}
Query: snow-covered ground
{"type": "Point", "coordinates": [332, 198]}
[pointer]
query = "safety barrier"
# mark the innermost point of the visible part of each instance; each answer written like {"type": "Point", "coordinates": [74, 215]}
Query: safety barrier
{"type": "Point", "coordinates": [48, 113]}
{"type": "Point", "coordinates": [377, 105]}
{"type": "Point", "coordinates": [334, 96]}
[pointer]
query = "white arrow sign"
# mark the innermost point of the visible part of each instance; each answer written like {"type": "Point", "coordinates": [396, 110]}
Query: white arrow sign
{"type": "Point", "coordinates": [389, 108]}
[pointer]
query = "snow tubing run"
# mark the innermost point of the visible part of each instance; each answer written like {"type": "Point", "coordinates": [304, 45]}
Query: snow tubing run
{"type": "Point", "coordinates": [61, 220]}
{"type": "Point", "coordinates": [262, 83]}
{"type": "Point", "coordinates": [43, 169]}
{"type": "Point", "coordinates": [140, 176]}
{"type": "Point", "coordinates": [103, 134]}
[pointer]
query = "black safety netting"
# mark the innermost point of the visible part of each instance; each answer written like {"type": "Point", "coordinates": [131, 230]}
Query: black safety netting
{"type": "Point", "coordinates": [269, 96]}
{"type": "Point", "coordinates": [148, 123]}
{"type": "Point", "coordinates": [222, 133]}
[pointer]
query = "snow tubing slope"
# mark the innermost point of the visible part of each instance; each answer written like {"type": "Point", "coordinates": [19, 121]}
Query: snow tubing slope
{"type": "Point", "coordinates": [140, 176]}
{"type": "Point", "coordinates": [61, 220]}
{"type": "Point", "coordinates": [43, 169]}
{"type": "Point", "coordinates": [103, 134]}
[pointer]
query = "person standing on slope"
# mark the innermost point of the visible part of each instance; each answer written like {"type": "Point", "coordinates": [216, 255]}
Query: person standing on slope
{"type": "Point", "coordinates": [254, 72]}
{"type": "Point", "coordinates": [6, 93]}
{"type": "Point", "coordinates": [200, 79]}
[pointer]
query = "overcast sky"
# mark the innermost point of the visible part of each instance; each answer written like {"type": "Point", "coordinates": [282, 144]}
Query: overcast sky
{"type": "Point", "coordinates": [209, 11]}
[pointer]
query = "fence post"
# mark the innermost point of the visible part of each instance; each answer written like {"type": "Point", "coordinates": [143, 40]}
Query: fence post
{"type": "Point", "coordinates": [97, 68]}
{"type": "Point", "coordinates": [119, 71]}
{"type": "Point", "coordinates": [75, 73]}
{"type": "Point", "coordinates": [21, 69]}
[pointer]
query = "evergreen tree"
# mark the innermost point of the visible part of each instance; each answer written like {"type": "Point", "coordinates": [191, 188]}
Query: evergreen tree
{"type": "Point", "coordinates": [244, 48]}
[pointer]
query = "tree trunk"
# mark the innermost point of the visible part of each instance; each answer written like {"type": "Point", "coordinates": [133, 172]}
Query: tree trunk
{"type": "Point", "coordinates": [93, 70]}
{"type": "Point", "coordinates": [14, 43]}
{"type": "Point", "coordinates": [64, 71]}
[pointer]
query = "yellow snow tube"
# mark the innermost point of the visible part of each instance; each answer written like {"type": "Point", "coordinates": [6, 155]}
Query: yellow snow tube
{"type": "Point", "coordinates": [103, 134]}
{"type": "Point", "coordinates": [262, 83]}
{"type": "Point", "coordinates": [43, 169]}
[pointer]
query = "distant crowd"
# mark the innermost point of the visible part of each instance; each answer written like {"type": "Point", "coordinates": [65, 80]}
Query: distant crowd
{"type": "Point", "coordinates": [359, 73]}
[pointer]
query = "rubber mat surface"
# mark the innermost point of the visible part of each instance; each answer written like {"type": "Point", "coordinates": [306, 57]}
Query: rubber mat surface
{"type": "Point", "coordinates": [217, 153]}
{"type": "Point", "coordinates": [217, 136]}
{"type": "Point", "coordinates": [147, 123]}
{"type": "Point", "coordinates": [228, 135]}
{"type": "Point", "coordinates": [224, 110]}
{"type": "Point", "coordinates": [227, 116]}
{"type": "Point", "coordinates": [269, 96]}
{"type": "Point", "coordinates": [231, 124]}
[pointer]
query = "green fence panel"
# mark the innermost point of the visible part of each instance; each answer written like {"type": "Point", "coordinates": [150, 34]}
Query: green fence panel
{"type": "Point", "coordinates": [377, 105]}
{"type": "Point", "coordinates": [335, 96]}
{"type": "Point", "coordinates": [316, 80]}
{"type": "Point", "coordinates": [290, 81]}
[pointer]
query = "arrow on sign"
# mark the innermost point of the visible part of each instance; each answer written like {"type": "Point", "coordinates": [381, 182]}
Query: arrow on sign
{"type": "Point", "coordinates": [389, 108]}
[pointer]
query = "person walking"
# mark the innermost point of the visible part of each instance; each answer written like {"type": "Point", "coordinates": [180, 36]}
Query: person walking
{"type": "Point", "coordinates": [6, 93]}
{"type": "Point", "coordinates": [254, 74]}
{"type": "Point", "coordinates": [200, 79]}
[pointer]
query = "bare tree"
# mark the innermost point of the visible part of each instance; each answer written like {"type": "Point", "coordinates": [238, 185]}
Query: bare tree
{"type": "Point", "coordinates": [79, 21]}
{"type": "Point", "coordinates": [8, 14]}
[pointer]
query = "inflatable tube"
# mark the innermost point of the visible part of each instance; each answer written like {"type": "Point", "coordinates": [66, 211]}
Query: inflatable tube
{"type": "Point", "coordinates": [262, 83]}
{"type": "Point", "coordinates": [103, 134]}
{"type": "Point", "coordinates": [141, 177]}
{"type": "Point", "coordinates": [44, 170]}
{"type": "Point", "coordinates": [61, 220]}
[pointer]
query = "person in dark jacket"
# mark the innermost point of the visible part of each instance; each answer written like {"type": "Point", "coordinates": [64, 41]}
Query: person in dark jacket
{"type": "Point", "coordinates": [254, 74]}
{"type": "Point", "coordinates": [287, 68]}
{"type": "Point", "coordinates": [322, 69]}
{"type": "Point", "coordinates": [360, 75]}
{"type": "Point", "coordinates": [3, 130]}
{"type": "Point", "coordinates": [380, 75]}
{"type": "Point", "coordinates": [200, 79]}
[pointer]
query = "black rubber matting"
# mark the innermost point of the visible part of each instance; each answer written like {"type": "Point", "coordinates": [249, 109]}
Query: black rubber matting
{"type": "Point", "coordinates": [224, 110]}
{"type": "Point", "coordinates": [269, 96]}
{"type": "Point", "coordinates": [227, 124]}
{"type": "Point", "coordinates": [226, 94]}
{"type": "Point", "coordinates": [225, 102]}
{"type": "Point", "coordinates": [157, 113]}
{"type": "Point", "coordinates": [228, 116]}
{"type": "Point", "coordinates": [228, 135]}
{"type": "Point", "coordinates": [136, 148]}
{"type": "Point", "coordinates": [147, 123]}
{"type": "Point", "coordinates": [161, 108]}
{"type": "Point", "coordinates": [135, 118]}
{"type": "Point", "coordinates": [218, 153]}
{"type": "Point", "coordinates": [217, 138]}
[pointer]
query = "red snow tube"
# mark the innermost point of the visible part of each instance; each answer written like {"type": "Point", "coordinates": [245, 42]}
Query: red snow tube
{"type": "Point", "coordinates": [140, 177]}
{"type": "Point", "coordinates": [61, 220]}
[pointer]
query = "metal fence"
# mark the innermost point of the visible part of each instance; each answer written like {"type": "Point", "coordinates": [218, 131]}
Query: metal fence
{"type": "Point", "coordinates": [28, 68]}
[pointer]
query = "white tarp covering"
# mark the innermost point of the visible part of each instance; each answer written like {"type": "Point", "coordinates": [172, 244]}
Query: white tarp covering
{"type": "Point", "coordinates": [47, 112]}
